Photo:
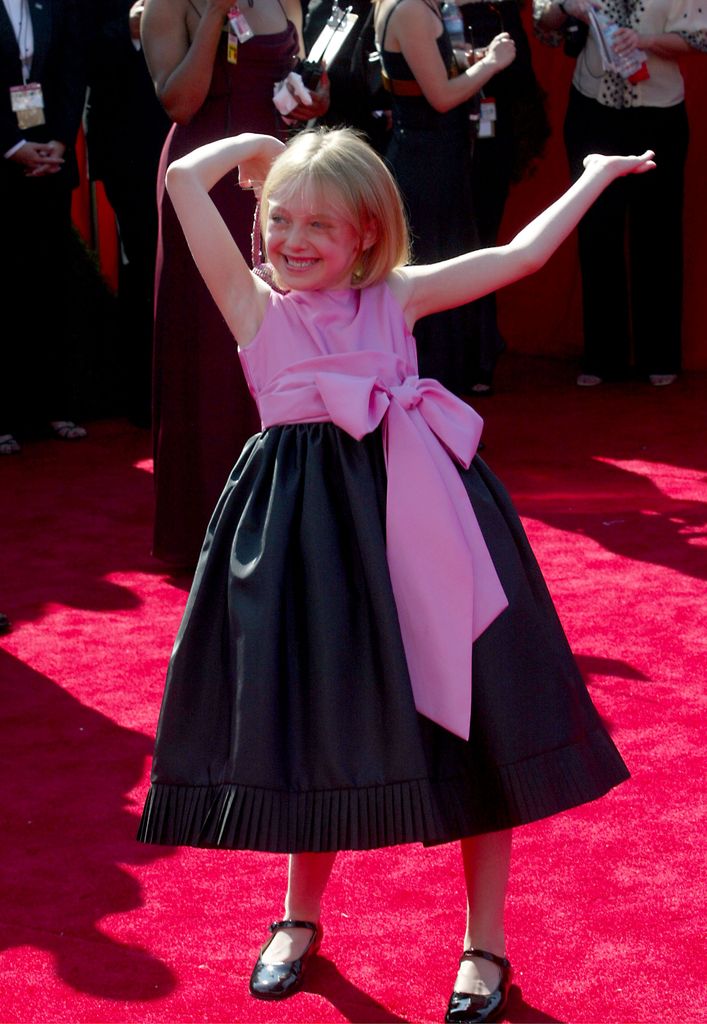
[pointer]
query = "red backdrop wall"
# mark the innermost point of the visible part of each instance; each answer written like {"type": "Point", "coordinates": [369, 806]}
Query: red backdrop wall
{"type": "Point", "coordinates": [540, 315]}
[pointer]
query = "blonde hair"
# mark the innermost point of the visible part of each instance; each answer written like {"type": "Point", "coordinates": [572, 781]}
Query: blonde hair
{"type": "Point", "coordinates": [337, 163]}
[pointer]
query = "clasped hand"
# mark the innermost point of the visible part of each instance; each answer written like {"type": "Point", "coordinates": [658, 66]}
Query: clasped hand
{"type": "Point", "coordinates": [40, 158]}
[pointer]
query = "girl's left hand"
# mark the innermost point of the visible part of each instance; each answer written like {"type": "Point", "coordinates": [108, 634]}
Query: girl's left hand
{"type": "Point", "coordinates": [618, 166]}
{"type": "Point", "coordinates": [625, 41]}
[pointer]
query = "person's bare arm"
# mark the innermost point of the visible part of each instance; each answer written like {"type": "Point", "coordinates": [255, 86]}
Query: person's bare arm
{"type": "Point", "coordinates": [181, 68]}
{"type": "Point", "coordinates": [413, 29]}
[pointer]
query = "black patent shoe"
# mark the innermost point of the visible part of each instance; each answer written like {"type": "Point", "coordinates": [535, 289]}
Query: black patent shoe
{"type": "Point", "coordinates": [277, 981]}
{"type": "Point", "coordinates": [466, 1008]}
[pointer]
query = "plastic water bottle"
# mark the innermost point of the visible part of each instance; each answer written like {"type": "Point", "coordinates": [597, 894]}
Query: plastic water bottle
{"type": "Point", "coordinates": [454, 23]}
{"type": "Point", "coordinates": [631, 66]}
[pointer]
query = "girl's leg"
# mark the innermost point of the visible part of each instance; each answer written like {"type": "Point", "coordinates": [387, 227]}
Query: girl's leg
{"type": "Point", "coordinates": [487, 860]}
{"type": "Point", "coordinates": [307, 879]}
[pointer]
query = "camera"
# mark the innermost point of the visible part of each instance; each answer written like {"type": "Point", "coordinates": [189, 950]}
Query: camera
{"type": "Point", "coordinates": [310, 72]}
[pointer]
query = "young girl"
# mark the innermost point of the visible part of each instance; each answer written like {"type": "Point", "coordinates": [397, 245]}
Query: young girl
{"type": "Point", "coordinates": [369, 655]}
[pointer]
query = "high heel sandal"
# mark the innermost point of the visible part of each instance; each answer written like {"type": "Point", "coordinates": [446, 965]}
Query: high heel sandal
{"type": "Point", "coordinates": [9, 445]}
{"type": "Point", "coordinates": [468, 1008]}
{"type": "Point", "coordinates": [67, 430]}
{"type": "Point", "coordinates": [279, 980]}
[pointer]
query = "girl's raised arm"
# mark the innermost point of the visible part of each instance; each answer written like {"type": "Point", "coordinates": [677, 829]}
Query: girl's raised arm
{"type": "Point", "coordinates": [239, 294]}
{"type": "Point", "coordinates": [429, 289]}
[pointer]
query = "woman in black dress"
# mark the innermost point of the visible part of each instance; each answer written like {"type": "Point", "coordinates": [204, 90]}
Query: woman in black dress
{"type": "Point", "coordinates": [431, 153]}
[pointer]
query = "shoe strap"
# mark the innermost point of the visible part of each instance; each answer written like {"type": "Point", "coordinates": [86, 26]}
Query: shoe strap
{"type": "Point", "coordinates": [484, 954]}
{"type": "Point", "coordinates": [277, 926]}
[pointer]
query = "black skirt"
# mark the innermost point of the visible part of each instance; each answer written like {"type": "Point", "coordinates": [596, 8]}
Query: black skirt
{"type": "Point", "coordinates": [288, 722]}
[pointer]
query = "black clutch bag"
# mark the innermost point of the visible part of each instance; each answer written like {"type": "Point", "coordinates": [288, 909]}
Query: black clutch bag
{"type": "Point", "coordinates": [575, 33]}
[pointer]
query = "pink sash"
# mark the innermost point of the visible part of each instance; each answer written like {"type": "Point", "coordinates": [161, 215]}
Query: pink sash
{"type": "Point", "coordinates": [445, 585]}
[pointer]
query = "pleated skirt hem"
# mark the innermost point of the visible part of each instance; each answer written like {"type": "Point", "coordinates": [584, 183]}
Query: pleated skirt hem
{"type": "Point", "coordinates": [243, 817]}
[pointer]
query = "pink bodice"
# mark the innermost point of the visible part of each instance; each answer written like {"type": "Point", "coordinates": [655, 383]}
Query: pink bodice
{"type": "Point", "coordinates": [347, 357]}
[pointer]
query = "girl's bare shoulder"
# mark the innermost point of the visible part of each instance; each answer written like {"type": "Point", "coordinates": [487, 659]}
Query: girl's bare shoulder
{"type": "Point", "coordinates": [400, 283]}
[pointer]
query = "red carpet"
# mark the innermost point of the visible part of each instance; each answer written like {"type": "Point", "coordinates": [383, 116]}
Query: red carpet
{"type": "Point", "coordinates": [606, 910]}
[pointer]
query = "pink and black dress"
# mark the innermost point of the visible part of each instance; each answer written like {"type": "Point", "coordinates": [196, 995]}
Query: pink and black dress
{"type": "Point", "coordinates": [369, 655]}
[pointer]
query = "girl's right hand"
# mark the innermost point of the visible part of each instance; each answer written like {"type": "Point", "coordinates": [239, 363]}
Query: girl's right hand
{"type": "Point", "coordinates": [253, 171]}
{"type": "Point", "coordinates": [500, 52]}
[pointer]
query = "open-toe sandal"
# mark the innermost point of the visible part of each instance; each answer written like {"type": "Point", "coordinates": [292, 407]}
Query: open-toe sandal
{"type": "Point", "coordinates": [67, 430]}
{"type": "Point", "coordinates": [9, 445]}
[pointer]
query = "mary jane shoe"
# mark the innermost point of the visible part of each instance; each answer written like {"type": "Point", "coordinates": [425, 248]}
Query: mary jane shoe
{"type": "Point", "coordinates": [279, 980]}
{"type": "Point", "coordinates": [469, 1008]}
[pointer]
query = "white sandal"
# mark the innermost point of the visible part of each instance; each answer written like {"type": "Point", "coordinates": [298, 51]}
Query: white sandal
{"type": "Point", "coordinates": [67, 430]}
{"type": "Point", "coordinates": [9, 445]}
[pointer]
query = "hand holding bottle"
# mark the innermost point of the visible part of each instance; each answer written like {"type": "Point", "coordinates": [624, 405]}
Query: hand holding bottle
{"type": "Point", "coordinates": [625, 41]}
{"type": "Point", "coordinates": [618, 48]}
{"type": "Point", "coordinates": [500, 52]}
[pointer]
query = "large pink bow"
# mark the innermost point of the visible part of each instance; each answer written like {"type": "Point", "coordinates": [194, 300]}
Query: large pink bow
{"type": "Point", "coordinates": [446, 588]}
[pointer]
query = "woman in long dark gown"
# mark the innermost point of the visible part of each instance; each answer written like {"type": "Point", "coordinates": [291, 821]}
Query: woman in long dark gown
{"type": "Point", "coordinates": [202, 411]}
{"type": "Point", "coordinates": [504, 154]}
{"type": "Point", "coordinates": [430, 154]}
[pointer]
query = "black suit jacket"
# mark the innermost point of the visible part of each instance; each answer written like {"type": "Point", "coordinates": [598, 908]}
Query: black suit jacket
{"type": "Point", "coordinates": [126, 124]}
{"type": "Point", "coordinates": [58, 64]}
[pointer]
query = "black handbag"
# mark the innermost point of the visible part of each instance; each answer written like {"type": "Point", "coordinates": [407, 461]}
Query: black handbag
{"type": "Point", "coordinates": [575, 34]}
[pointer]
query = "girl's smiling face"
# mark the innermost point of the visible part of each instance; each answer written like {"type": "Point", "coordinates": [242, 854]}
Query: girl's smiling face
{"type": "Point", "coordinates": [310, 244]}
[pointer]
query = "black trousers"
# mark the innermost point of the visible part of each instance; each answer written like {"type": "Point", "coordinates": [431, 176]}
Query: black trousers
{"type": "Point", "coordinates": [630, 241]}
{"type": "Point", "coordinates": [35, 382]}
